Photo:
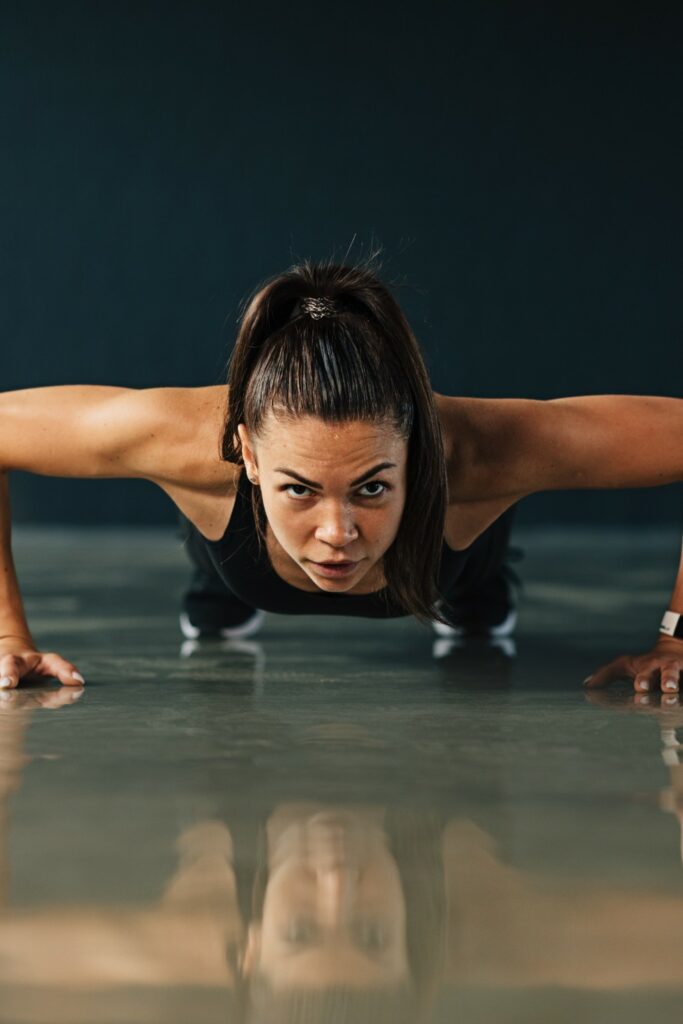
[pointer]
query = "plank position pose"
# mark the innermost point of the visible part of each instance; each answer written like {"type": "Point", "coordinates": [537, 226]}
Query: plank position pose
{"type": "Point", "coordinates": [330, 479]}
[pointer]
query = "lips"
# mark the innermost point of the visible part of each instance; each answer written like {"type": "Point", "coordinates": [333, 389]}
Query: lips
{"type": "Point", "coordinates": [335, 568]}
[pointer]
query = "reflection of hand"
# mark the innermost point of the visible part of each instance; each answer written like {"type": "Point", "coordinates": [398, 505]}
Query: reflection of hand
{"type": "Point", "coordinates": [39, 698]}
{"type": "Point", "coordinates": [667, 707]}
{"type": "Point", "coordinates": [660, 666]}
{"type": "Point", "coordinates": [19, 660]}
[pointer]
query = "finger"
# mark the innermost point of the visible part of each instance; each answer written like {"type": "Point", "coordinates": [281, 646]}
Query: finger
{"type": "Point", "coordinates": [670, 676]}
{"type": "Point", "coordinates": [646, 679]}
{"type": "Point", "coordinates": [606, 674]}
{"type": "Point", "coordinates": [12, 669]}
{"type": "Point", "coordinates": [54, 666]}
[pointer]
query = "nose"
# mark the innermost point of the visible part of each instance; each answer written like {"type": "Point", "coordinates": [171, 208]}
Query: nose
{"type": "Point", "coordinates": [336, 526]}
{"type": "Point", "coordinates": [336, 889]}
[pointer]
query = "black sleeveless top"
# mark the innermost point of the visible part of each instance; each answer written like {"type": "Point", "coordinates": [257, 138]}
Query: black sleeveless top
{"type": "Point", "coordinates": [250, 576]}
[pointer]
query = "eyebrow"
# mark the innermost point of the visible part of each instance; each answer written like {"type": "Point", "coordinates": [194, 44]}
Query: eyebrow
{"type": "Point", "coordinates": [354, 483]}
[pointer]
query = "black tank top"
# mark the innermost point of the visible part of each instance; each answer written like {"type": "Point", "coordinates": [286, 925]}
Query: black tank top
{"type": "Point", "coordinates": [250, 575]}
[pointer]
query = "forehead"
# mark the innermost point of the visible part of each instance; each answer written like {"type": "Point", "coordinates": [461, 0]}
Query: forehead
{"type": "Point", "coordinates": [315, 441]}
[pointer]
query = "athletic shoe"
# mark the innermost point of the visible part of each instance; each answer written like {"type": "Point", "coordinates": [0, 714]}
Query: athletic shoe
{"type": "Point", "coordinates": [210, 610]}
{"type": "Point", "coordinates": [488, 608]}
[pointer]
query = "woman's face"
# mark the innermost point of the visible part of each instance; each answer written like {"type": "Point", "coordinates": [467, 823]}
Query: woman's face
{"type": "Point", "coordinates": [332, 492]}
{"type": "Point", "coordinates": [334, 911]}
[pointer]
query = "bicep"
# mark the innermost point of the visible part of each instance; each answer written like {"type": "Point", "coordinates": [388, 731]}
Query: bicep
{"type": "Point", "coordinates": [76, 430]}
{"type": "Point", "coordinates": [522, 446]}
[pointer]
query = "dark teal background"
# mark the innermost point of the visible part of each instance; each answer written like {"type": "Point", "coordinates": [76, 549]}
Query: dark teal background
{"type": "Point", "coordinates": [521, 164]}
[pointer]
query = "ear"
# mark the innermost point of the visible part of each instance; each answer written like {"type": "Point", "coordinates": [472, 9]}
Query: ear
{"type": "Point", "coordinates": [252, 951]}
{"type": "Point", "coordinates": [248, 453]}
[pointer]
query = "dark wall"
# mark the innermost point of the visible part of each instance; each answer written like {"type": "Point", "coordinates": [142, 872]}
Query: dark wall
{"type": "Point", "coordinates": [520, 163]}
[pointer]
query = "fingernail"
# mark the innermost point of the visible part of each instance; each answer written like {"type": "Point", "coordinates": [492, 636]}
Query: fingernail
{"type": "Point", "coordinates": [587, 680]}
{"type": "Point", "coordinates": [643, 685]}
{"type": "Point", "coordinates": [5, 682]}
{"type": "Point", "coordinates": [669, 685]}
{"type": "Point", "coordinates": [78, 676]}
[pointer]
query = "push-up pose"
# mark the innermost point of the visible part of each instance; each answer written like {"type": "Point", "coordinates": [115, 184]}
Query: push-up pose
{"type": "Point", "coordinates": [328, 478]}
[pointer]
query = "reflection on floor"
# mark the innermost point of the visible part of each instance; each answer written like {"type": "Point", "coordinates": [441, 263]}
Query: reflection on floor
{"type": "Point", "coordinates": [340, 820]}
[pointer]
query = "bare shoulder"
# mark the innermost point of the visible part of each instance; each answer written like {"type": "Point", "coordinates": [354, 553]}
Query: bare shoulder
{"type": "Point", "coordinates": [171, 437]}
{"type": "Point", "coordinates": [183, 455]}
{"type": "Point", "coordinates": [480, 436]}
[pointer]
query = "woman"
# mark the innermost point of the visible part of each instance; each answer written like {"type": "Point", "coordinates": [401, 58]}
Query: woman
{"type": "Point", "coordinates": [330, 479]}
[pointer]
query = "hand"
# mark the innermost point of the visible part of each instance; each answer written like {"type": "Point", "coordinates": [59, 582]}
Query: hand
{"type": "Point", "coordinates": [19, 660]}
{"type": "Point", "coordinates": [659, 668]}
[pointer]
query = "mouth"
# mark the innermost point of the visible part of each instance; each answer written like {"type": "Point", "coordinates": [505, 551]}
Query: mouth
{"type": "Point", "coordinates": [336, 568]}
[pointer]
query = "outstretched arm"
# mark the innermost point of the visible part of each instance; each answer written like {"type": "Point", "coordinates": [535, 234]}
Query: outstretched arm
{"type": "Point", "coordinates": [498, 449]}
{"type": "Point", "coordinates": [79, 431]}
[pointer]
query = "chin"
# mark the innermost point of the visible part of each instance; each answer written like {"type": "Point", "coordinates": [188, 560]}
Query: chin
{"type": "Point", "coordinates": [330, 584]}
{"type": "Point", "coordinates": [337, 586]}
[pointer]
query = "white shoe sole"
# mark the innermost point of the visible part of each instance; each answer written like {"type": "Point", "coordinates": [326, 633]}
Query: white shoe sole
{"type": "Point", "coordinates": [444, 646]}
{"type": "Point", "coordinates": [252, 625]}
{"type": "Point", "coordinates": [505, 628]}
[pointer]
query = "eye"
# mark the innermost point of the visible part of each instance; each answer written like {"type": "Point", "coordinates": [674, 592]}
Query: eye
{"type": "Point", "coordinates": [291, 487]}
{"type": "Point", "coordinates": [299, 932]}
{"type": "Point", "coordinates": [370, 936]}
{"type": "Point", "coordinates": [377, 494]}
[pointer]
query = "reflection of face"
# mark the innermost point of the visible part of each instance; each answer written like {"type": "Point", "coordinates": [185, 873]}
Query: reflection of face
{"type": "Point", "coordinates": [334, 911]}
{"type": "Point", "coordinates": [341, 510]}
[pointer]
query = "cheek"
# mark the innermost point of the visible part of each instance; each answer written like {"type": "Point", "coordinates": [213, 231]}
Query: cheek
{"type": "Point", "coordinates": [290, 887]}
{"type": "Point", "coordinates": [381, 527]}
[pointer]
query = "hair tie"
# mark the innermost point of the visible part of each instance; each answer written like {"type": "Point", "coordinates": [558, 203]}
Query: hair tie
{"type": "Point", "coordinates": [318, 308]}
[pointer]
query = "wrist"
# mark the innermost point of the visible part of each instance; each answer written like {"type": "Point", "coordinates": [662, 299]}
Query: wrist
{"type": "Point", "coordinates": [23, 636]}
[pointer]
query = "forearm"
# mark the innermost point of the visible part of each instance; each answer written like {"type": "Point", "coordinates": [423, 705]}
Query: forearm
{"type": "Point", "coordinates": [676, 602]}
{"type": "Point", "coordinates": [12, 615]}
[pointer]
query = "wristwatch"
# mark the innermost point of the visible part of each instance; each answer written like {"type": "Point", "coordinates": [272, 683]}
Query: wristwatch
{"type": "Point", "coordinates": [672, 625]}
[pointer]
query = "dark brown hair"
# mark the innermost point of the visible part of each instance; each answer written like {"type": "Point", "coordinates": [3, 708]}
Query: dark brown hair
{"type": "Point", "coordinates": [362, 362]}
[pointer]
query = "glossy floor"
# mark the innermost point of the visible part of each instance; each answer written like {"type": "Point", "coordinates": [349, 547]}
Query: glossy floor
{"type": "Point", "coordinates": [340, 820]}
